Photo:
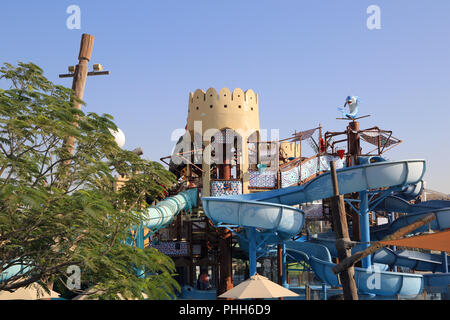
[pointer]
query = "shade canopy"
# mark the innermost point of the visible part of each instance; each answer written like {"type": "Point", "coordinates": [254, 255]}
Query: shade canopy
{"type": "Point", "coordinates": [31, 292]}
{"type": "Point", "coordinates": [258, 287]}
{"type": "Point", "coordinates": [439, 241]}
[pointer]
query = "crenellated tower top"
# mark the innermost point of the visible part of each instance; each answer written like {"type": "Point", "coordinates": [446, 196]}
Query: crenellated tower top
{"type": "Point", "coordinates": [224, 110]}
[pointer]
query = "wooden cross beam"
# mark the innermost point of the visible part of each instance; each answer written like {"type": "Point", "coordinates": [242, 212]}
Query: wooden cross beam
{"type": "Point", "coordinates": [91, 73]}
{"type": "Point", "coordinates": [349, 119]}
{"type": "Point", "coordinates": [79, 73]}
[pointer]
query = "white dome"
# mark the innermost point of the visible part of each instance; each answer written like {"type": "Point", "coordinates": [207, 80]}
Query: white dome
{"type": "Point", "coordinates": [119, 137]}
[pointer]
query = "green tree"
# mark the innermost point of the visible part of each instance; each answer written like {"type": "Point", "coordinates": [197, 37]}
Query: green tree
{"type": "Point", "coordinates": [59, 208]}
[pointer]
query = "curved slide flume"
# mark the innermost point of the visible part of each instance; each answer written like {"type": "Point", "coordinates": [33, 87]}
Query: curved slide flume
{"type": "Point", "coordinates": [270, 210]}
{"type": "Point", "coordinates": [405, 258]}
{"type": "Point", "coordinates": [162, 214]}
{"type": "Point", "coordinates": [368, 281]}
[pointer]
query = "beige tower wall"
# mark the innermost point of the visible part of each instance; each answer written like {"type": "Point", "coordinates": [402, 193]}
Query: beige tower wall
{"type": "Point", "coordinates": [237, 110]}
{"type": "Point", "coordinates": [234, 110]}
{"type": "Point", "coordinates": [290, 149]}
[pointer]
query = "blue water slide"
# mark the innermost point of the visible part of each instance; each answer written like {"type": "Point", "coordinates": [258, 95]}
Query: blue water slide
{"type": "Point", "coordinates": [441, 222]}
{"type": "Point", "coordinates": [13, 270]}
{"type": "Point", "coordinates": [368, 281]}
{"type": "Point", "coordinates": [163, 213]}
{"type": "Point", "coordinates": [415, 260]}
{"type": "Point", "coordinates": [270, 212]}
{"type": "Point", "coordinates": [419, 261]}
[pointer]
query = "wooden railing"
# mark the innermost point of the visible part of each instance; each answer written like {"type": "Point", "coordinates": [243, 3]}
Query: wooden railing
{"type": "Point", "coordinates": [297, 162]}
{"type": "Point", "coordinates": [227, 187]}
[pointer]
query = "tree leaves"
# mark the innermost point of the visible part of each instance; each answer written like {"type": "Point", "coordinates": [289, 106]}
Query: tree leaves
{"type": "Point", "coordinates": [59, 208]}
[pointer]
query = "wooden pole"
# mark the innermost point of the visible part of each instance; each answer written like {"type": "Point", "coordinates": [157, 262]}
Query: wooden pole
{"type": "Point", "coordinates": [295, 145]}
{"type": "Point", "coordinates": [350, 261]}
{"type": "Point", "coordinates": [307, 292]}
{"type": "Point", "coordinates": [79, 77]}
{"type": "Point", "coordinates": [342, 237]}
{"type": "Point", "coordinates": [353, 138]}
{"type": "Point", "coordinates": [225, 262]}
{"type": "Point", "coordinates": [280, 266]}
{"type": "Point", "coordinates": [82, 69]}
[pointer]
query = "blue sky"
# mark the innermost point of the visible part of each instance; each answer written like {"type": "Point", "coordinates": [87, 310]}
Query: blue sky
{"type": "Point", "coordinates": [301, 57]}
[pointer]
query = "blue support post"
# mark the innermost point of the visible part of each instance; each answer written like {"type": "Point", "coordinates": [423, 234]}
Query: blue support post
{"type": "Point", "coordinates": [140, 244]}
{"type": "Point", "coordinates": [324, 290]}
{"type": "Point", "coordinates": [252, 251]}
{"type": "Point", "coordinates": [445, 261]}
{"type": "Point", "coordinates": [395, 268]}
{"type": "Point", "coordinates": [284, 275]}
{"type": "Point", "coordinates": [365, 225]}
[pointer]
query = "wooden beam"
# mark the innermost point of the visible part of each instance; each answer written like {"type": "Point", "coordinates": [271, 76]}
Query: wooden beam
{"type": "Point", "coordinates": [90, 73]}
{"type": "Point", "coordinates": [350, 261]}
{"type": "Point", "coordinates": [342, 237]}
{"type": "Point", "coordinates": [353, 119]}
{"type": "Point", "coordinates": [79, 79]}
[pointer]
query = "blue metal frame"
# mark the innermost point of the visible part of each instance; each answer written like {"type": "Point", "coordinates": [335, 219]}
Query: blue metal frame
{"type": "Point", "coordinates": [284, 264]}
{"type": "Point", "coordinates": [365, 225]}
{"type": "Point", "coordinates": [367, 205]}
{"type": "Point", "coordinates": [254, 246]}
{"type": "Point", "coordinates": [252, 251]}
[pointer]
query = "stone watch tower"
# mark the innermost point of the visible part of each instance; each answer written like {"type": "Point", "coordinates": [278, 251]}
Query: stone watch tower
{"type": "Point", "coordinates": [235, 112]}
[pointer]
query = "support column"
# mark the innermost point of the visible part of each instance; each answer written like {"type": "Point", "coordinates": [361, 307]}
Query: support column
{"type": "Point", "coordinates": [342, 236]}
{"type": "Point", "coordinates": [365, 226]}
{"type": "Point", "coordinates": [353, 149]}
{"type": "Point", "coordinates": [252, 251]}
{"type": "Point", "coordinates": [445, 262]}
{"type": "Point", "coordinates": [225, 262]}
{"type": "Point", "coordinates": [140, 244]}
{"type": "Point", "coordinates": [225, 167]}
{"type": "Point", "coordinates": [280, 264]}
{"type": "Point", "coordinates": [324, 291]}
{"type": "Point", "coordinates": [79, 79]}
{"type": "Point", "coordinates": [284, 274]}
{"type": "Point", "coordinates": [206, 167]}
{"type": "Point", "coordinates": [353, 140]}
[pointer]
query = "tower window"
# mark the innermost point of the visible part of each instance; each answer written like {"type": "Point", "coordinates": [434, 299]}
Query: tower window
{"type": "Point", "coordinates": [225, 106]}
{"type": "Point", "coordinates": [211, 106]}
{"type": "Point", "coordinates": [196, 108]}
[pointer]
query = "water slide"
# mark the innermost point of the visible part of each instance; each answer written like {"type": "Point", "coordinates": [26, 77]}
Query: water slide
{"type": "Point", "coordinates": [272, 212]}
{"type": "Point", "coordinates": [419, 261]}
{"type": "Point", "coordinates": [368, 281]}
{"type": "Point", "coordinates": [162, 214]}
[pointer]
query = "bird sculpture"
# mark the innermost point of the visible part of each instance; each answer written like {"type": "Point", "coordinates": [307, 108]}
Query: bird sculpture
{"type": "Point", "coordinates": [353, 103]}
